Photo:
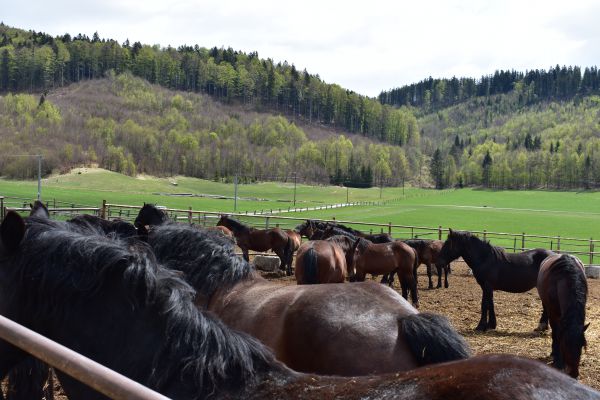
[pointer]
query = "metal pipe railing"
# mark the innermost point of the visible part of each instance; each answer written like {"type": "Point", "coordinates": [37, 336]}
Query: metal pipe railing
{"type": "Point", "coordinates": [91, 373]}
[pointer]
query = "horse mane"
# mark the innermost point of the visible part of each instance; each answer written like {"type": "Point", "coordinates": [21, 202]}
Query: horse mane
{"type": "Point", "coordinates": [345, 242]}
{"type": "Point", "coordinates": [347, 229]}
{"type": "Point", "coordinates": [337, 231]}
{"type": "Point", "coordinates": [119, 227]}
{"type": "Point", "coordinates": [362, 244]}
{"type": "Point", "coordinates": [468, 237]}
{"type": "Point", "coordinates": [574, 316]}
{"type": "Point", "coordinates": [207, 259]}
{"type": "Point", "coordinates": [418, 244]}
{"type": "Point", "coordinates": [197, 349]}
{"type": "Point", "coordinates": [237, 226]}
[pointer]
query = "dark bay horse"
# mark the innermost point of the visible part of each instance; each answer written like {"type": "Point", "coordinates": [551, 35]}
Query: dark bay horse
{"type": "Point", "coordinates": [493, 268]}
{"type": "Point", "coordinates": [323, 261]}
{"type": "Point", "coordinates": [311, 328]}
{"type": "Point", "coordinates": [428, 251]}
{"type": "Point", "coordinates": [119, 227]}
{"type": "Point", "coordinates": [151, 331]}
{"type": "Point", "coordinates": [386, 258]}
{"type": "Point", "coordinates": [562, 286]}
{"type": "Point", "coordinates": [296, 238]}
{"type": "Point", "coordinates": [249, 238]}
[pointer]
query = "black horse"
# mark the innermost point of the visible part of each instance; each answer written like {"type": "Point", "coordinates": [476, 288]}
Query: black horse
{"type": "Point", "coordinates": [118, 227]}
{"type": "Point", "coordinates": [493, 268]}
{"type": "Point", "coordinates": [112, 302]}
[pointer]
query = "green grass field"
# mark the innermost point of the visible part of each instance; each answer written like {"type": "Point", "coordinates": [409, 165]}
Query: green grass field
{"type": "Point", "coordinates": [566, 214]}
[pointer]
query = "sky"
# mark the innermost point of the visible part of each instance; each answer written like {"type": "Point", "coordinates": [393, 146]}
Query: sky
{"type": "Point", "coordinates": [366, 46]}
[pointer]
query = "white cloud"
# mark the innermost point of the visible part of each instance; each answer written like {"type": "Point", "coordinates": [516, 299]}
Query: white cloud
{"type": "Point", "coordinates": [365, 46]}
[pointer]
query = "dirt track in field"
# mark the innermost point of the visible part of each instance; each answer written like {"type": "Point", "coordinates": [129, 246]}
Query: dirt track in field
{"type": "Point", "coordinates": [517, 316]}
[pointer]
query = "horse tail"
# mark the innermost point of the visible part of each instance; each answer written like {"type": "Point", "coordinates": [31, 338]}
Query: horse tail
{"type": "Point", "coordinates": [27, 380]}
{"type": "Point", "coordinates": [432, 339]}
{"type": "Point", "coordinates": [289, 254]}
{"type": "Point", "coordinates": [310, 266]}
{"type": "Point", "coordinates": [416, 263]}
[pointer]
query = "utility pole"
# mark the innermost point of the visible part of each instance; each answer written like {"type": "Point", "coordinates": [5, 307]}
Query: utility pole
{"type": "Point", "coordinates": [235, 184]}
{"type": "Point", "coordinates": [39, 196]}
{"type": "Point", "coordinates": [295, 178]}
{"type": "Point", "coordinates": [347, 195]}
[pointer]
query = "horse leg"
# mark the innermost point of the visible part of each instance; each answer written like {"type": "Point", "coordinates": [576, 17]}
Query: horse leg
{"type": "Point", "coordinates": [282, 259]}
{"type": "Point", "coordinates": [245, 254]}
{"type": "Point", "coordinates": [446, 270]}
{"type": "Point", "coordinates": [482, 325]}
{"type": "Point", "coordinates": [404, 286]}
{"type": "Point", "coordinates": [414, 293]}
{"type": "Point", "coordinates": [492, 312]}
{"type": "Point", "coordinates": [391, 279]}
{"type": "Point", "coordinates": [557, 361]}
{"type": "Point", "coordinates": [543, 324]}
{"type": "Point", "coordinates": [429, 275]}
{"type": "Point", "coordinates": [439, 273]}
{"type": "Point", "coordinates": [384, 278]}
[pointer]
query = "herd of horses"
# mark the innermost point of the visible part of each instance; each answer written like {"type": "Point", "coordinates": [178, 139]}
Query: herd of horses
{"type": "Point", "coordinates": [173, 307]}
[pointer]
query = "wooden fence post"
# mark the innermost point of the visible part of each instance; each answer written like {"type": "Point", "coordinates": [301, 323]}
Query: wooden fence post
{"type": "Point", "coordinates": [103, 211]}
{"type": "Point", "coordinates": [522, 241]}
{"type": "Point", "coordinates": [439, 232]}
{"type": "Point", "coordinates": [484, 235]}
{"type": "Point", "coordinates": [1, 208]}
{"type": "Point", "coordinates": [558, 244]}
{"type": "Point", "coordinates": [190, 216]}
{"type": "Point", "coordinates": [390, 228]}
{"type": "Point", "coordinates": [267, 223]}
{"type": "Point", "coordinates": [591, 251]}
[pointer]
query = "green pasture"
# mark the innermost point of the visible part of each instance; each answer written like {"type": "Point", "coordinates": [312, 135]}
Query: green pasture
{"type": "Point", "coordinates": [566, 214]}
{"type": "Point", "coordinates": [86, 187]}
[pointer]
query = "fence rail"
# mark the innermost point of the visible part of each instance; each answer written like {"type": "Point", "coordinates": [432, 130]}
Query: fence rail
{"type": "Point", "coordinates": [586, 249]}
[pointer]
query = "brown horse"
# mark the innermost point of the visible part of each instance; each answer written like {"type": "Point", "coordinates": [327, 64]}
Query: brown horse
{"type": "Point", "coordinates": [249, 238]}
{"type": "Point", "coordinates": [323, 261]}
{"type": "Point", "coordinates": [385, 258]}
{"type": "Point", "coordinates": [562, 286]}
{"type": "Point", "coordinates": [311, 328]}
{"type": "Point", "coordinates": [428, 251]}
{"type": "Point", "coordinates": [295, 236]}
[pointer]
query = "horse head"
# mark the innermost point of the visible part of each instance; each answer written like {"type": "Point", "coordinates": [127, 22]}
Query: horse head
{"type": "Point", "coordinates": [223, 219]}
{"type": "Point", "coordinates": [150, 215]}
{"type": "Point", "coordinates": [451, 248]}
{"type": "Point", "coordinates": [356, 251]}
{"type": "Point", "coordinates": [39, 209]}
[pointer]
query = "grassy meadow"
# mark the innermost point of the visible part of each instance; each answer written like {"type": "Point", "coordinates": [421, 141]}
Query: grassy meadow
{"type": "Point", "coordinates": [565, 214]}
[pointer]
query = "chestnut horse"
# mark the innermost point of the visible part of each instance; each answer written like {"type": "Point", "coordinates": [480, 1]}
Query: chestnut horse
{"type": "Point", "coordinates": [323, 261]}
{"type": "Point", "coordinates": [494, 269]}
{"type": "Point", "coordinates": [249, 238]}
{"type": "Point", "coordinates": [385, 258]}
{"type": "Point", "coordinates": [562, 286]}
{"type": "Point", "coordinates": [311, 328]}
{"type": "Point", "coordinates": [98, 283]}
{"type": "Point", "coordinates": [428, 251]}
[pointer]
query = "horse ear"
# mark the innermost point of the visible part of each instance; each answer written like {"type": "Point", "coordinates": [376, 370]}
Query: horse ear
{"type": "Point", "coordinates": [12, 230]}
{"type": "Point", "coordinates": [30, 205]}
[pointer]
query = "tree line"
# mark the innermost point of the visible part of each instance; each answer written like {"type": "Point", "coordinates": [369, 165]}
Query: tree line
{"type": "Point", "coordinates": [558, 83]}
{"type": "Point", "coordinates": [35, 62]}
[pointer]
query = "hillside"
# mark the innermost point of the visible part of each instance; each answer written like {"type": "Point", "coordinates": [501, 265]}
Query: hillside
{"type": "Point", "coordinates": [127, 125]}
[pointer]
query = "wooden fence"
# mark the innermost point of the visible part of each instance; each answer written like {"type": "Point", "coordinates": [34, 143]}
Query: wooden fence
{"type": "Point", "coordinates": [514, 242]}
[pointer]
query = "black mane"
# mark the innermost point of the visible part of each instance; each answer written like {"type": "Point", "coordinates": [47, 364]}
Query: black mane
{"type": "Point", "coordinates": [473, 242]}
{"type": "Point", "coordinates": [418, 244]}
{"type": "Point", "coordinates": [236, 225]}
{"type": "Point", "coordinates": [57, 267]}
{"type": "Point", "coordinates": [207, 259]}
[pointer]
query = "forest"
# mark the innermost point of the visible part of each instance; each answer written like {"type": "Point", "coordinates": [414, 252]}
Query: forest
{"type": "Point", "coordinates": [213, 113]}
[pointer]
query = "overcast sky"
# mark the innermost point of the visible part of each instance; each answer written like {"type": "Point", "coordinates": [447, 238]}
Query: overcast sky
{"type": "Point", "coordinates": [366, 46]}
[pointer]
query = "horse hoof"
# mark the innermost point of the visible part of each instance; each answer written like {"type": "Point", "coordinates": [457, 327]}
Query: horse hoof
{"type": "Point", "coordinates": [481, 328]}
{"type": "Point", "coordinates": [446, 285]}
{"type": "Point", "coordinates": [541, 327]}
{"type": "Point", "coordinates": [430, 287]}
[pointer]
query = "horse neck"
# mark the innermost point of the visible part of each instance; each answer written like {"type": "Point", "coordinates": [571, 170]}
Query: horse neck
{"type": "Point", "coordinates": [474, 252]}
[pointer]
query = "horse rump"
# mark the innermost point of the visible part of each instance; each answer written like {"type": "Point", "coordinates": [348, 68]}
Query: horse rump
{"type": "Point", "coordinates": [432, 339]}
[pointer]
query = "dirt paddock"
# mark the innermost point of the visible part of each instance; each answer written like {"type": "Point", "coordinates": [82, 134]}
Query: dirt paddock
{"type": "Point", "coordinates": [517, 316]}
